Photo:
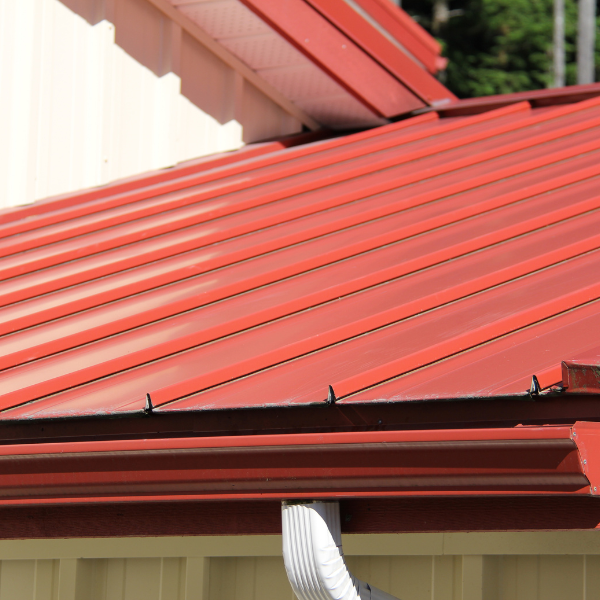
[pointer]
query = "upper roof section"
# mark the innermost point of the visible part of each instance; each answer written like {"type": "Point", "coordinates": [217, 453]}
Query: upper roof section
{"type": "Point", "coordinates": [430, 258]}
{"type": "Point", "coordinates": [346, 63]}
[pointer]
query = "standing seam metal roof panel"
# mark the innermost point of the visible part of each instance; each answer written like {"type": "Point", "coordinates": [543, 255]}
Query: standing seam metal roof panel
{"type": "Point", "coordinates": [431, 258]}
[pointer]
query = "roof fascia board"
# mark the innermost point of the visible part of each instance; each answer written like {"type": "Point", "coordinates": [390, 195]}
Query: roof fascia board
{"type": "Point", "coordinates": [498, 412]}
{"type": "Point", "coordinates": [400, 63]}
{"type": "Point", "coordinates": [229, 59]}
{"type": "Point", "coordinates": [336, 55]}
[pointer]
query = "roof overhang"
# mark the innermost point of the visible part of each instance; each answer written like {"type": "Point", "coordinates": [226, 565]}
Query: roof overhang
{"type": "Point", "coordinates": [345, 63]}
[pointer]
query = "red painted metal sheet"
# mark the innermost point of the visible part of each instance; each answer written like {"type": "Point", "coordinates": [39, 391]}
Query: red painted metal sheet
{"type": "Point", "coordinates": [511, 159]}
{"type": "Point", "coordinates": [293, 260]}
{"type": "Point", "coordinates": [493, 462]}
{"type": "Point", "coordinates": [537, 98]}
{"type": "Point", "coordinates": [397, 344]}
{"type": "Point", "coordinates": [406, 31]}
{"type": "Point", "coordinates": [587, 437]}
{"type": "Point", "coordinates": [581, 375]}
{"type": "Point", "coordinates": [503, 367]}
{"type": "Point", "coordinates": [385, 52]}
{"type": "Point", "coordinates": [312, 288]}
{"type": "Point", "coordinates": [364, 262]}
{"type": "Point", "coordinates": [337, 55]}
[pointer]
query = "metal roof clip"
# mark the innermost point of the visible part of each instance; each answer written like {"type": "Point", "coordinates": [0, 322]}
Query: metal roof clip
{"type": "Point", "coordinates": [149, 406]}
{"type": "Point", "coordinates": [534, 389]}
{"type": "Point", "coordinates": [331, 397]}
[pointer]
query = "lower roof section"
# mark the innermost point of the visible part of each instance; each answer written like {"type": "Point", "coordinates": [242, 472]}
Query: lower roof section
{"type": "Point", "coordinates": [434, 258]}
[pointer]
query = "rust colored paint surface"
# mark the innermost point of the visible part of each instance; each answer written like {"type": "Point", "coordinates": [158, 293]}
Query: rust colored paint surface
{"type": "Point", "coordinates": [581, 375]}
{"type": "Point", "coordinates": [433, 258]}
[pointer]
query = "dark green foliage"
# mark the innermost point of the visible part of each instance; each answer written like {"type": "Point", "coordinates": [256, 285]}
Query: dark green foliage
{"type": "Point", "coordinates": [501, 46]}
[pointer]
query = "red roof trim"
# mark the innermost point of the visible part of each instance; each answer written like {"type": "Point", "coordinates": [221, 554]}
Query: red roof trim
{"type": "Point", "coordinates": [518, 461]}
{"type": "Point", "coordinates": [383, 51]}
{"type": "Point", "coordinates": [537, 99]}
{"type": "Point", "coordinates": [337, 55]}
{"type": "Point", "coordinates": [409, 33]}
{"type": "Point", "coordinates": [581, 375]}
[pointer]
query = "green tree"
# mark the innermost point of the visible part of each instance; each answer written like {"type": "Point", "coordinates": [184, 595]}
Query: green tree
{"type": "Point", "coordinates": [500, 46]}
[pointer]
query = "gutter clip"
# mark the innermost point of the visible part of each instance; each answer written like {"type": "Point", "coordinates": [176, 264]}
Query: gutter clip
{"type": "Point", "coordinates": [331, 397]}
{"type": "Point", "coordinates": [534, 389]}
{"type": "Point", "coordinates": [149, 406]}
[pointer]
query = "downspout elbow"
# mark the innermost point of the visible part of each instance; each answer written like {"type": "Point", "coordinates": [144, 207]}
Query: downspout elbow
{"type": "Point", "coordinates": [313, 555]}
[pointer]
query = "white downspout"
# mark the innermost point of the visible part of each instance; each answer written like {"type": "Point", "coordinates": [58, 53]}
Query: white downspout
{"type": "Point", "coordinates": [313, 556]}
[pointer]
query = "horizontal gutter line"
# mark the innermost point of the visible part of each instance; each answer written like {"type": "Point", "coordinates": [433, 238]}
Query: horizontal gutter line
{"type": "Point", "coordinates": [156, 498]}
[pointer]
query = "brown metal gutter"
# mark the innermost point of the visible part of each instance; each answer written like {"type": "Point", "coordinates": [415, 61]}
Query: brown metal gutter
{"type": "Point", "coordinates": [478, 462]}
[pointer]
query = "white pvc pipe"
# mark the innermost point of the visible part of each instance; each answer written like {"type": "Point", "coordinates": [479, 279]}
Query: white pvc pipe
{"type": "Point", "coordinates": [313, 556]}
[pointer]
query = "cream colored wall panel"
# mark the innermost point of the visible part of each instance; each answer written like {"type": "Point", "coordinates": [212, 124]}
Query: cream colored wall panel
{"type": "Point", "coordinates": [17, 578]}
{"type": "Point", "coordinates": [592, 577]}
{"type": "Point", "coordinates": [142, 579]}
{"type": "Point", "coordinates": [263, 119]}
{"type": "Point", "coordinates": [403, 577]}
{"type": "Point", "coordinates": [446, 579]}
{"type": "Point", "coordinates": [192, 577]}
{"type": "Point", "coordinates": [82, 105]}
{"type": "Point", "coordinates": [561, 577]}
{"type": "Point", "coordinates": [196, 573]}
{"type": "Point", "coordinates": [248, 578]}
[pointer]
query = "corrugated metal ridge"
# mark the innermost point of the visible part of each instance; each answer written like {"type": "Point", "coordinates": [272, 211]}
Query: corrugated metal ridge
{"type": "Point", "coordinates": [225, 359]}
{"type": "Point", "coordinates": [91, 325]}
{"type": "Point", "coordinates": [22, 263]}
{"type": "Point", "coordinates": [537, 98]}
{"type": "Point", "coordinates": [346, 263]}
{"type": "Point", "coordinates": [524, 352]}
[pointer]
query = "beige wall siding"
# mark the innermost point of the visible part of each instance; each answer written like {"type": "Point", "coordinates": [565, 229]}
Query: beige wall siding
{"type": "Point", "coordinates": [85, 102]}
{"type": "Point", "coordinates": [263, 578]}
{"type": "Point", "coordinates": [483, 566]}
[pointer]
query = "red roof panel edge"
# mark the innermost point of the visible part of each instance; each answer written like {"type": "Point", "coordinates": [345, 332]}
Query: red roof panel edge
{"type": "Point", "coordinates": [537, 98]}
{"type": "Point", "coordinates": [406, 31]}
{"type": "Point", "coordinates": [381, 49]}
{"type": "Point", "coordinates": [337, 55]}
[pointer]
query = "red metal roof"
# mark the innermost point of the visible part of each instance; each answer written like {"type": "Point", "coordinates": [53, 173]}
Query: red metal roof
{"type": "Point", "coordinates": [345, 64]}
{"type": "Point", "coordinates": [371, 47]}
{"type": "Point", "coordinates": [431, 258]}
